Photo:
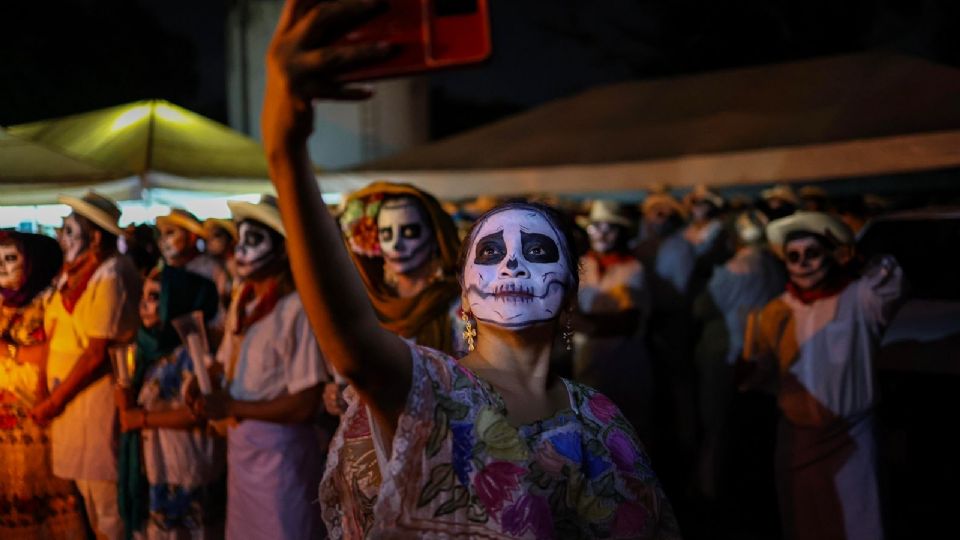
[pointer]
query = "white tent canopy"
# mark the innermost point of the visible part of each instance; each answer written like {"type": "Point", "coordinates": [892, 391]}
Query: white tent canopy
{"type": "Point", "coordinates": [823, 119]}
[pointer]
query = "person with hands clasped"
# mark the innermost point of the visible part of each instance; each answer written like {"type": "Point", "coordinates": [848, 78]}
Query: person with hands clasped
{"type": "Point", "coordinates": [274, 378]}
{"type": "Point", "coordinates": [94, 306]}
{"type": "Point", "coordinates": [495, 445]}
{"type": "Point", "coordinates": [165, 452]}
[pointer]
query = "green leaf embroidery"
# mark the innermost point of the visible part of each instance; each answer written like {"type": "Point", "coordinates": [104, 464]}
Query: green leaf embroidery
{"type": "Point", "coordinates": [439, 432]}
{"type": "Point", "coordinates": [460, 499]}
{"type": "Point", "coordinates": [476, 512]}
{"type": "Point", "coordinates": [441, 479]}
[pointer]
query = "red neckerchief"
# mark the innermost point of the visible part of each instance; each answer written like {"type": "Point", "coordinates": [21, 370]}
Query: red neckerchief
{"type": "Point", "coordinates": [276, 288]}
{"type": "Point", "coordinates": [830, 287]}
{"type": "Point", "coordinates": [608, 259]}
{"type": "Point", "coordinates": [78, 274]}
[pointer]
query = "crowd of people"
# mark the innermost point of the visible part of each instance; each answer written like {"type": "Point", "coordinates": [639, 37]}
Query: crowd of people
{"type": "Point", "coordinates": [402, 367]}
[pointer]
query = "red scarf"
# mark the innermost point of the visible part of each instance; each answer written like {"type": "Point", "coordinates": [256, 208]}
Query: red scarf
{"type": "Point", "coordinates": [276, 288]}
{"type": "Point", "coordinates": [78, 274]}
{"type": "Point", "coordinates": [830, 287]}
{"type": "Point", "coordinates": [608, 259]}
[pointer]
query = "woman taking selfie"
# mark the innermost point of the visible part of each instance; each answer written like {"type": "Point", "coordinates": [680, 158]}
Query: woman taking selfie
{"type": "Point", "coordinates": [495, 445]}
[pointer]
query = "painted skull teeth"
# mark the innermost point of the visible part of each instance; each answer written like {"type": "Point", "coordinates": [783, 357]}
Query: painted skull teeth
{"type": "Point", "coordinates": [513, 292]}
{"type": "Point", "coordinates": [516, 274]}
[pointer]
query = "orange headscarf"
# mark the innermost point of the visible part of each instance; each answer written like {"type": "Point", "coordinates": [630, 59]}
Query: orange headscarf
{"type": "Point", "coordinates": [423, 317]}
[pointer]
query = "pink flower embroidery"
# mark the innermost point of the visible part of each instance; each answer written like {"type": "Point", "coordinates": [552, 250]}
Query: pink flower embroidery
{"type": "Point", "coordinates": [622, 450]}
{"type": "Point", "coordinates": [530, 513]}
{"type": "Point", "coordinates": [495, 483]}
{"type": "Point", "coordinates": [630, 520]}
{"type": "Point", "coordinates": [603, 408]}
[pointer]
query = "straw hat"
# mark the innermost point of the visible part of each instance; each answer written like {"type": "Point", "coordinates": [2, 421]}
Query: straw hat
{"type": "Point", "coordinates": [655, 199]}
{"type": "Point", "coordinates": [178, 217]}
{"type": "Point", "coordinates": [103, 212]}
{"type": "Point", "coordinates": [781, 191]}
{"type": "Point", "coordinates": [212, 224]}
{"type": "Point", "coordinates": [266, 211]}
{"type": "Point", "coordinates": [812, 192]}
{"type": "Point", "coordinates": [607, 211]}
{"type": "Point", "coordinates": [811, 222]}
{"type": "Point", "coordinates": [703, 193]}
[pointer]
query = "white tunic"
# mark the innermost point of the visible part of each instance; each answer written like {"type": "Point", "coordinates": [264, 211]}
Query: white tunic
{"type": "Point", "coordinates": [838, 338]}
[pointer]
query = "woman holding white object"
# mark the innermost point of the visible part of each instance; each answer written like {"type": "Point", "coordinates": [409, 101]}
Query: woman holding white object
{"type": "Point", "coordinates": [161, 436]}
{"type": "Point", "coordinates": [274, 382]}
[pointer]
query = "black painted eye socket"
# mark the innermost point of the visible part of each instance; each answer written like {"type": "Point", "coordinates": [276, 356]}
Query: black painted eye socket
{"type": "Point", "coordinates": [809, 254]}
{"type": "Point", "coordinates": [411, 231]}
{"type": "Point", "coordinates": [386, 234]}
{"type": "Point", "coordinates": [491, 249]}
{"type": "Point", "coordinates": [539, 248]}
{"type": "Point", "coordinates": [253, 238]}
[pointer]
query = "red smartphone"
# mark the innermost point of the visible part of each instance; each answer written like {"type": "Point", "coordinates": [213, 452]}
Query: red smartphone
{"type": "Point", "coordinates": [431, 34]}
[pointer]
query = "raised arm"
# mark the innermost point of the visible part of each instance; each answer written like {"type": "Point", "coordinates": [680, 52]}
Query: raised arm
{"type": "Point", "coordinates": [374, 360]}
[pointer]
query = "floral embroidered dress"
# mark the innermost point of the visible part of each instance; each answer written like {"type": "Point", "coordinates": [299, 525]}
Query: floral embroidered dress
{"type": "Point", "coordinates": [181, 465]}
{"type": "Point", "coordinates": [33, 502]}
{"type": "Point", "coordinates": [459, 469]}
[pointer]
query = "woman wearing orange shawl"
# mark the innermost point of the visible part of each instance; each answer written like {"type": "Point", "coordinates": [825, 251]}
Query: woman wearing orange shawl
{"type": "Point", "coordinates": [406, 248]}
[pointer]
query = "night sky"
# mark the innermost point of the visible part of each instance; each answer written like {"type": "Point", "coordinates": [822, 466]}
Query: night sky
{"type": "Point", "coordinates": [79, 55]}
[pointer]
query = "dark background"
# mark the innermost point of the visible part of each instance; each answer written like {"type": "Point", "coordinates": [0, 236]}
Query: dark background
{"type": "Point", "coordinates": [72, 56]}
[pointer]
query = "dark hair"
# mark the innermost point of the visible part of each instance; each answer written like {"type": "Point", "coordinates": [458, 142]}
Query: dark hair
{"type": "Point", "coordinates": [560, 222]}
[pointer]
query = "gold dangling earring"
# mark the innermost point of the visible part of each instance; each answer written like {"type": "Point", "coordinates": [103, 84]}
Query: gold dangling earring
{"type": "Point", "coordinates": [568, 331]}
{"type": "Point", "coordinates": [469, 332]}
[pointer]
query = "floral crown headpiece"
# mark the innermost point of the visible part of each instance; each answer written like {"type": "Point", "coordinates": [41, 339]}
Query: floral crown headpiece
{"type": "Point", "coordinates": [359, 225]}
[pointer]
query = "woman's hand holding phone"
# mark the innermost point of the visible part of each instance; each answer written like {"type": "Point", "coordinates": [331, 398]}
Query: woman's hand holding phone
{"type": "Point", "coordinates": [302, 64]}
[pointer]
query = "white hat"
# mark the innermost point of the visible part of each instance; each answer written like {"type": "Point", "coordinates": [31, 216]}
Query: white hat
{"type": "Point", "coordinates": [266, 211]}
{"type": "Point", "coordinates": [103, 212]}
{"type": "Point", "coordinates": [811, 222]}
{"type": "Point", "coordinates": [606, 211]}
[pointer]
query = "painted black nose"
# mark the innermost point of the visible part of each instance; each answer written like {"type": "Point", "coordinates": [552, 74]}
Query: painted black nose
{"type": "Point", "coordinates": [512, 264]}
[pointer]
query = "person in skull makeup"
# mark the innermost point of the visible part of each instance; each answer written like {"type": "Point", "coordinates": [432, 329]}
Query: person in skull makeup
{"type": "Point", "coordinates": [221, 237]}
{"type": "Point", "coordinates": [34, 504]}
{"type": "Point", "coordinates": [409, 266]}
{"type": "Point", "coordinates": [274, 379]}
{"type": "Point", "coordinates": [613, 303]}
{"type": "Point", "coordinates": [493, 444]}
{"type": "Point", "coordinates": [818, 341]}
{"type": "Point", "coordinates": [179, 232]}
{"type": "Point", "coordinates": [95, 304]}
{"type": "Point", "coordinates": [169, 465]}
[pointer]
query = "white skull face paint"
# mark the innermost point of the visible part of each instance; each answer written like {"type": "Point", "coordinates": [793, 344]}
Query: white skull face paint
{"type": "Point", "coordinates": [11, 268]}
{"type": "Point", "coordinates": [807, 262]}
{"type": "Point", "coordinates": [174, 243]}
{"type": "Point", "coordinates": [73, 239]}
{"type": "Point", "coordinates": [406, 237]}
{"type": "Point", "coordinates": [255, 250]}
{"type": "Point", "coordinates": [516, 275]}
{"type": "Point", "coordinates": [150, 303]}
{"type": "Point", "coordinates": [603, 236]}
